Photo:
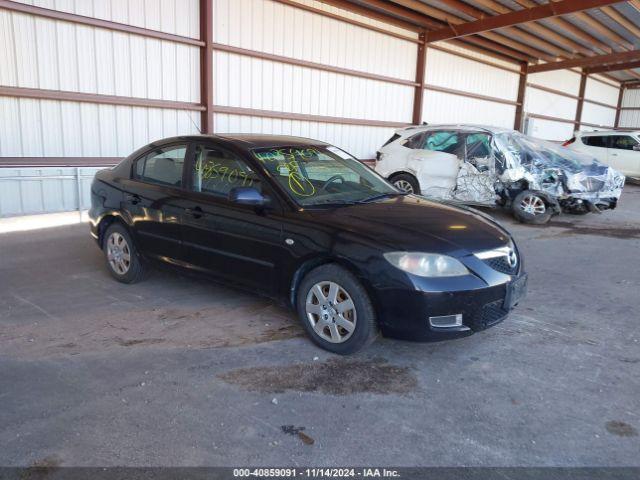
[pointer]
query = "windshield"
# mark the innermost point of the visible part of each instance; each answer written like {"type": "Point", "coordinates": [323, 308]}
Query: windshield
{"type": "Point", "coordinates": [531, 152]}
{"type": "Point", "coordinates": [323, 175]}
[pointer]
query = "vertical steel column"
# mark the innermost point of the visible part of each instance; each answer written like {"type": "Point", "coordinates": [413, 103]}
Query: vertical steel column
{"type": "Point", "coordinates": [78, 192]}
{"type": "Point", "coordinates": [619, 107]}
{"type": "Point", "coordinates": [522, 88]}
{"type": "Point", "coordinates": [583, 86]}
{"type": "Point", "coordinates": [421, 62]}
{"type": "Point", "coordinates": [206, 65]}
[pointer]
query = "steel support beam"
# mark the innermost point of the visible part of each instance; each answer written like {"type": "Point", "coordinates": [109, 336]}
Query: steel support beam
{"type": "Point", "coordinates": [615, 67]}
{"type": "Point", "coordinates": [619, 107]}
{"type": "Point", "coordinates": [418, 97]}
{"type": "Point", "coordinates": [206, 65]}
{"type": "Point", "coordinates": [596, 61]}
{"type": "Point", "coordinates": [583, 87]}
{"type": "Point", "coordinates": [517, 17]}
{"type": "Point", "coordinates": [522, 88]}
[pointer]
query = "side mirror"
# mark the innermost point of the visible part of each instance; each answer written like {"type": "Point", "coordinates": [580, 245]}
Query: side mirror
{"type": "Point", "coordinates": [247, 196]}
{"type": "Point", "coordinates": [636, 148]}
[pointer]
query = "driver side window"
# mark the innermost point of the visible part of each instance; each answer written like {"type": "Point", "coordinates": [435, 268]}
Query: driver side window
{"type": "Point", "coordinates": [478, 147]}
{"type": "Point", "coordinates": [216, 172]}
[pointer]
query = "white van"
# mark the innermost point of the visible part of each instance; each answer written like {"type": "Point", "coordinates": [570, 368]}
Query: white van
{"type": "Point", "coordinates": [620, 150]}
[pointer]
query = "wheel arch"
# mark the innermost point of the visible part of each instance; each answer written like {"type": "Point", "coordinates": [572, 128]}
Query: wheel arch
{"type": "Point", "coordinates": [311, 263]}
{"type": "Point", "coordinates": [106, 221]}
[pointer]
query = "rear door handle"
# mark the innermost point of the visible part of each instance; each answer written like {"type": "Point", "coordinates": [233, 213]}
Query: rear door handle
{"type": "Point", "coordinates": [195, 212]}
{"type": "Point", "coordinates": [132, 198]}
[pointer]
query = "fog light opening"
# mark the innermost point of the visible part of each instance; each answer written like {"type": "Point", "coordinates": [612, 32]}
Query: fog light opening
{"type": "Point", "coordinates": [446, 321]}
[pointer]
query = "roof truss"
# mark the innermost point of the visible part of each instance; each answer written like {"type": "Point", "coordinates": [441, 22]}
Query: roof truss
{"type": "Point", "coordinates": [516, 17]}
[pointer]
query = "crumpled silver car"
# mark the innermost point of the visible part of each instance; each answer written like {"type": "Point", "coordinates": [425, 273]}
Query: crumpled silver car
{"type": "Point", "coordinates": [492, 166]}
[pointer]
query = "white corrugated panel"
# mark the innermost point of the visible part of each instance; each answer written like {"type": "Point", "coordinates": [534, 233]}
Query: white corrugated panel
{"type": "Point", "coordinates": [26, 191]}
{"type": "Point", "coordinates": [630, 119]}
{"type": "Point", "coordinates": [179, 17]}
{"type": "Point", "coordinates": [549, 104]}
{"type": "Point", "coordinates": [35, 128]}
{"type": "Point", "coordinates": [320, 5]}
{"type": "Point", "coordinates": [549, 130]}
{"type": "Point", "coordinates": [452, 71]}
{"type": "Point", "coordinates": [598, 115]}
{"type": "Point", "coordinates": [566, 81]}
{"type": "Point", "coordinates": [441, 107]}
{"type": "Point", "coordinates": [601, 92]}
{"type": "Point", "coordinates": [265, 85]}
{"type": "Point", "coordinates": [631, 98]}
{"type": "Point", "coordinates": [56, 55]}
{"type": "Point", "coordinates": [267, 26]}
{"type": "Point", "coordinates": [360, 141]}
{"type": "Point", "coordinates": [481, 57]}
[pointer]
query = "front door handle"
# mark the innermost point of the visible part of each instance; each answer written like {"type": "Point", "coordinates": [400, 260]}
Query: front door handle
{"type": "Point", "coordinates": [195, 212]}
{"type": "Point", "coordinates": [132, 198]}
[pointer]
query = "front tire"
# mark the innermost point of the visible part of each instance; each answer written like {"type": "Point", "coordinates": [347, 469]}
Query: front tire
{"type": "Point", "coordinates": [406, 183]}
{"type": "Point", "coordinates": [123, 260]}
{"type": "Point", "coordinates": [335, 310]}
{"type": "Point", "coordinates": [530, 207]}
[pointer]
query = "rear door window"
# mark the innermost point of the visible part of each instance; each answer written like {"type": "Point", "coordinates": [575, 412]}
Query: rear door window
{"type": "Point", "coordinates": [162, 166]}
{"type": "Point", "coordinates": [447, 141]}
{"type": "Point", "coordinates": [595, 141]}
{"type": "Point", "coordinates": [622, 142]}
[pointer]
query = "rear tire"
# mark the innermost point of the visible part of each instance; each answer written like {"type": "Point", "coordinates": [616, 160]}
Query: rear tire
{"type": "Point", "coordinates": [530, 207]}
{"type": "Point", "coordinates": [406, 183]}
{"type": "Point", "coordinates": [122, 257]}
{"type": "Point", "coordinates": [335, 310]}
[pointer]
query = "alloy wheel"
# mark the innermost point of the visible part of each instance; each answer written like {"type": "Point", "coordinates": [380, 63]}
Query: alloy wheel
{"type": "Point", "coordinates": [403, 186]}
{"type": "Point", "coordinates": [533, 205]}
{"type": "Point", "coordinates": [118, 253]}
{"type": "Point", "coordinates": [331, 312]}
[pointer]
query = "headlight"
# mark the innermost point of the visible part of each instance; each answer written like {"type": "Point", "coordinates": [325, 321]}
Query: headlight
{"type": "Point", "coordinates": [426, 264]}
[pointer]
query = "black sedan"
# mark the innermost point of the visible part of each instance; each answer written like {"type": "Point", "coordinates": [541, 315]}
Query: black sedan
{"type": "Point", "coordinates": [305, 223]}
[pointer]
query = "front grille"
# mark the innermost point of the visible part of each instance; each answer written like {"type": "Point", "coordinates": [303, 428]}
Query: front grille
{"type": "Point", "coordinates": [501, 264]}
{"type": "Point", "coordinates": [489, 314]}
{"type": "Point", "coordinates": [592, 184]}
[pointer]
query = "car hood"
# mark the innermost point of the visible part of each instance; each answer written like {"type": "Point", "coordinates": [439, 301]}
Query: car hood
{"type": "Point", "coordinates": [411, 223]}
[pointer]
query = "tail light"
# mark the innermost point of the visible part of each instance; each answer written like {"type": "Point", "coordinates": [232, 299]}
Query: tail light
{"type": "Point", "coordinates": [569, 142]}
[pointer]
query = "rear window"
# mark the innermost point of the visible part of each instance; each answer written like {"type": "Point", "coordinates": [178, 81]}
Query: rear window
{"type": "Point", "coordinates": [162, 166]}
{"type": "Point", "coordinates": [595, 141]}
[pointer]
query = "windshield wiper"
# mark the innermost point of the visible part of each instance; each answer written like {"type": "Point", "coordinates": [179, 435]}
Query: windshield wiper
{"type": "Point", "coordinates": [382, 195]}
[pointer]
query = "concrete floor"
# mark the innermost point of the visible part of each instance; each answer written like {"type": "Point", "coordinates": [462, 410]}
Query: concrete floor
{"type": "Point", "coordinates": [178, 371]}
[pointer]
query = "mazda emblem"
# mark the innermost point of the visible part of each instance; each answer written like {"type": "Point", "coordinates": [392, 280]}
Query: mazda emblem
{"type": "Point", "coordinates": [512, 259]}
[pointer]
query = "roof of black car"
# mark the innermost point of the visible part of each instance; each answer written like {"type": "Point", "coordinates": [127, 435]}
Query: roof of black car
{"type": "Point", "coordinates": [257, 140]}
{"type": "Point", "coordinates": [251, 140]}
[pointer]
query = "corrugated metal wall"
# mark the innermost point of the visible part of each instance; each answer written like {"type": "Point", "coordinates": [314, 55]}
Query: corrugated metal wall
{"type": "Point", "coordinates": [631, 100]}
{"type": "Point", "coordinates": [44, 190]}
{"type": "Point", "coordinates": [250, 92]}
{"type": "Point", "coordinates": [55, 55]}
{"type": "Point", "coordinates": [274, 28]}
{"type": "Point", "coordinates": [555, 94]}
{"type": "Point", "coordinates": [544, 103]}
{"type": "Point", "coordinates": [600, 114]}
{"type": "Point", "coordinates": [450, 71]}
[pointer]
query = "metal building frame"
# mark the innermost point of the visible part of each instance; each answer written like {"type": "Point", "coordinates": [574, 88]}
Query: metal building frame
{"type": "Point", "coordinates": [430, 25]}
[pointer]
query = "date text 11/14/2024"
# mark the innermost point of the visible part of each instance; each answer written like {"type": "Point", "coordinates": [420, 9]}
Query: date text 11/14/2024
{"type": "Point", "coordinates": [316, 473]}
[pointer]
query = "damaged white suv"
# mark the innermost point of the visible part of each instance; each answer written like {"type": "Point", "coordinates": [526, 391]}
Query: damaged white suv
{"type": "Point", "coordinates": [492, 166]}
